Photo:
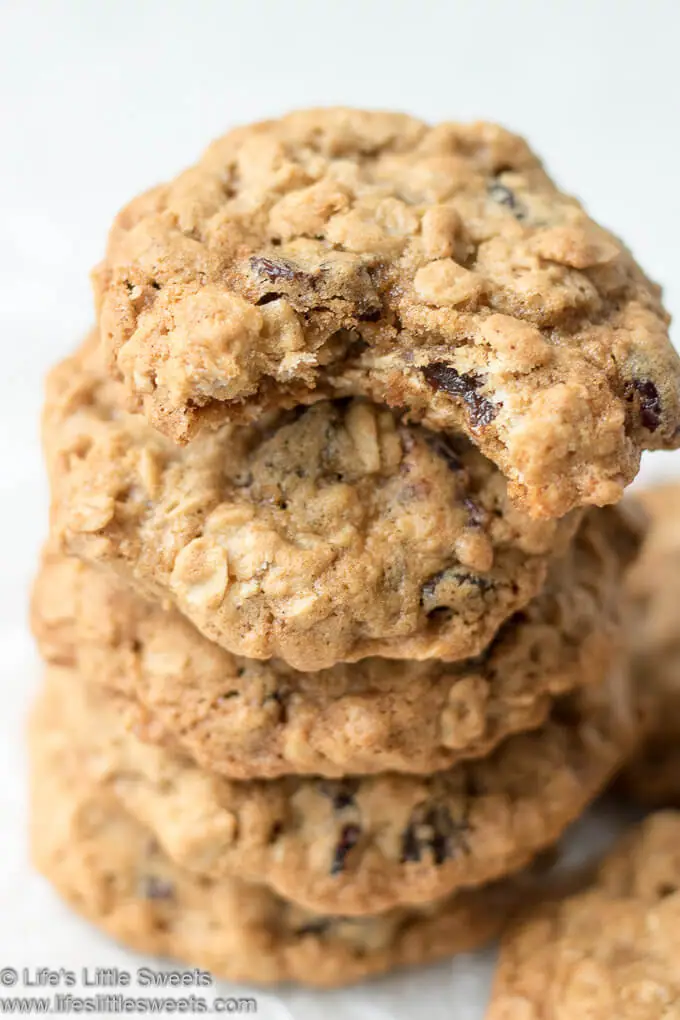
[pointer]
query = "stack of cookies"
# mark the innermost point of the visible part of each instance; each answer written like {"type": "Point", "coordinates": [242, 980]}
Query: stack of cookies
{"type": "Point", "coordinates": [334, 642]}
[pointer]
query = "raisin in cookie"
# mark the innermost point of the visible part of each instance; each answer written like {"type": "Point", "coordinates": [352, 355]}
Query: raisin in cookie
{"type": "Point", "coordinates": [610, 952]}
{"type": "Point", "coordinates": [654, 584]}
{"type": "Point", "coordinates": [436, 269]}
{"type": "Point", "coordinates": [327, 535]}
{"type": "Point", "coordinates": [249, 719]}
{"type": "Point", "coordinates": [112, 870]}
{"type": "Point", "coordinates": [362, 844]}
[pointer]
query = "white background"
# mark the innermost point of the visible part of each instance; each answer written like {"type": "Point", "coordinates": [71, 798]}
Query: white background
{"type": "Point", "coordinates": [101, 98]}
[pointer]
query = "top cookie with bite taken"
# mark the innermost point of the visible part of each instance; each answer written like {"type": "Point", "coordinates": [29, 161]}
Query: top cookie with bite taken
{"type": "Point", "coordinates": [438, 270]}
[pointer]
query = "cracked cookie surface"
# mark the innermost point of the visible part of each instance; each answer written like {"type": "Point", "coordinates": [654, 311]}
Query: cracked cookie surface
{"type": "Point", "coordinates": [246, 719]}
{"type": "Point", "coordinates": [327, 535]}
{"type": "Point", "coordinates": [436, 269]}
{"type": "Point", "coordinates": [362, 844]}
{"type": "Point", "coordinates": [112, 870]}
{"type": "Point", "coordinates": [653, 777]}
{"type": "Point", "coordinates": [612, 951]}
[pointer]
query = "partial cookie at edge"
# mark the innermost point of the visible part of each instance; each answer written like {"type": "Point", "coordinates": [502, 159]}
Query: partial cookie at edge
{"type": "Point", "coordinates": [609, 952]}
{"type": "Point", "coordinates": [653, 776]}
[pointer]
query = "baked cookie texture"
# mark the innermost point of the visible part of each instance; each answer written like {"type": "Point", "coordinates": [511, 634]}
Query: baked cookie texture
{"type": "Point", "coordinates": [612, 951]}
{"type": "Point", "coordinates": [249, 719]}
{"type": "Point", "coordinates": [653, 776]}
{"type": "Point", "coordinates": [437, 270]}
{"type": "Point", "coordinates": [322, 536]}
{"type": "Point", "coordinates": [363, 844]}
{"type": "Point", "coordinates": [113, 871]}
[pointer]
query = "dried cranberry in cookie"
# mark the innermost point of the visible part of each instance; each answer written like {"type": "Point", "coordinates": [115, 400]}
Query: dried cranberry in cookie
{"type": "Point", "coordinates": [437, 269]}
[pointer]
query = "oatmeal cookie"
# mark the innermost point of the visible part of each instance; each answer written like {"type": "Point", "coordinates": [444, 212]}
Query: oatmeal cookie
{"type": "Point", "coordinates": [249, 719]}
{"type": "Point", "coordinates": [654, 584]}
{"type": "Point", "coordinates": [434, 269]}
{"type": "Point", "coordinates": [362, 844]}
{"type": "Point", "coordinates": [610, 952]}
{"type": "Point", "coordinates": [112, 870]}
{"type": "Point", "coordinates": [330, 534]}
